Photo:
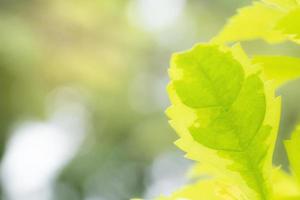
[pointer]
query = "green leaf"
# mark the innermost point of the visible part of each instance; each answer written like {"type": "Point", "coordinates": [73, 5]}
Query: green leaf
{"type": "Point", "coordinates": [271, 20]}
{"type": "Point", "coordinates": [193, 71]}
{"type": "Point", "coordinates": [290, 25]}
{"type": "Point", "coordinates": [237, 123]}
{"type": "Point", "coordinates": [226, 117]}
{"type": "Point", "coordinates": [279, 68]}
{"type": "Point", "coordinates": [253, 22]}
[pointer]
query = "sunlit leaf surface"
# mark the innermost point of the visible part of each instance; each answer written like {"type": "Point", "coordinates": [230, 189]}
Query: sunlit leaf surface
{"type": "Point", "coordinates": [232, 123]}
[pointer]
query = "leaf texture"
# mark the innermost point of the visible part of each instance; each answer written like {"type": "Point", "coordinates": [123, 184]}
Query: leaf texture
{"type": "Point", "coordinates": [226, 117]}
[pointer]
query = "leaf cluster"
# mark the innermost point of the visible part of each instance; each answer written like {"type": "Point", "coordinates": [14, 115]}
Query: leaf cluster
{"type": "Point", "coordinates": [226, 114]}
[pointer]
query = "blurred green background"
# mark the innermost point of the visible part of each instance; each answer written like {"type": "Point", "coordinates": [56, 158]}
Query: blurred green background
{"type": "Point", "coordinates": [82, 95]}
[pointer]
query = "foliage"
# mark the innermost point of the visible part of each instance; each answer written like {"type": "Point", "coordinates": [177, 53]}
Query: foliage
{"type": "Point", "coordinates": [225, 111]}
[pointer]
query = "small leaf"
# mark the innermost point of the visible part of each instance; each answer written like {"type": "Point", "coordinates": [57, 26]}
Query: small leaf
{"type": "Point", "coordinates": [253, 22]}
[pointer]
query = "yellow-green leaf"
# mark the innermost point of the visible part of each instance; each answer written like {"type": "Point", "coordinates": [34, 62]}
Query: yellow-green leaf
{"type": "Point", "coordinates": [279, 68]}
{"type": "Point", "coordinates": [253, 22]}
{"type": "Point", "coordinates": [289, 24]}
{"type": "Point", "coordinates": [226, 116]}
{"type": "Point", "coordinates": [192, 72]}
{"type": "Point", "coordinates": [285, 186]}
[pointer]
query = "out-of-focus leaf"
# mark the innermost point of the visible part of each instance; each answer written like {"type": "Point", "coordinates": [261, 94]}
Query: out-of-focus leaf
{"type": "Point", "coordinates": [290, 25]}
{"type": "Point", "coordinates": [252, 22]}
{"type": "Point", "coordinates": [279, 68]}
{"type": "Point", "coordinates": [271, 20]}
{"type": "Point", "coordinates": [284, 185]}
